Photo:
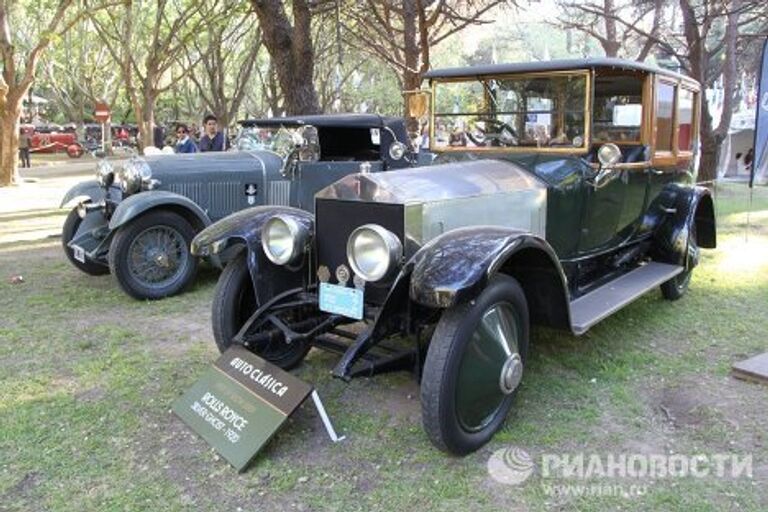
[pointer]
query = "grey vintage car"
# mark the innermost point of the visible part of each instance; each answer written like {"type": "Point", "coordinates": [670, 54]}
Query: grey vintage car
{"type": "Point", "coordinates": [138, 220]}
{"type": "Point", "coordinates": [562, 191]}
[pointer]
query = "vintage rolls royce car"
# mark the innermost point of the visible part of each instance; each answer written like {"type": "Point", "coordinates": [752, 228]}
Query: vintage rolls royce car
{"type": "Point", "coordinates": [137, 221]}
{"type": "Point", "coordinates": [561, 192]}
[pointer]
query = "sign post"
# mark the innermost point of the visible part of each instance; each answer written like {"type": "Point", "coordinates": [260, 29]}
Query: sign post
{"type": "Point", "coordinates": [102, 113]}
{"type": "Point", "coordinates": [241, 402]}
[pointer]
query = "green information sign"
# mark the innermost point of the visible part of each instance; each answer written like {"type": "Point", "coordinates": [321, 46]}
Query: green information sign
{"type": "Point", "coordinates": [239, 404]}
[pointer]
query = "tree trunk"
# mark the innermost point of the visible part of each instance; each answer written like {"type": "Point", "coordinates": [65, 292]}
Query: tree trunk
{"type": "Point", "coordinates": [145, 120]}
{"type": "Point", "coordinates": [9, 145]}
{"type": "Point", "coordinates": [411, 77]}
{"type": "Point", "coordinates": [711, 144]}
{"type": "Point", "coordinates": [292, 53]}
{"type": "Point", "coordinates": [611, 45]}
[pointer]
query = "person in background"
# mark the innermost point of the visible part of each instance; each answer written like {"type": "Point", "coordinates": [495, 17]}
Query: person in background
{"type": "Point", "coordinates": [158, 136]}
{"type": "Point", "coordinates": [24, 144]}
{"type": "Point", "coordinates": [184, 144]}
{"type": "Point", "coordinates": [212, 139]}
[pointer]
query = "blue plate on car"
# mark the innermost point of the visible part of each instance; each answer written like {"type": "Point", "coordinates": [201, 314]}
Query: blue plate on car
{"type": "Point", "coordinates": [341, 300]}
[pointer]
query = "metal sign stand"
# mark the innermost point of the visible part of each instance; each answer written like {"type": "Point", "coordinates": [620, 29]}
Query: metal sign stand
{"type": "Point", "coordinates": [326, 420]}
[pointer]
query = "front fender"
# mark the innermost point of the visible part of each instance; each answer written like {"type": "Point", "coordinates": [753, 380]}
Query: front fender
{"type": "Point", "coordinates": [456, 266]}
{"type": "Point", "coordinates": [682, 209]}
{"type": "Point", "coordinates": [243, 227]}
{"type": "Point", "coordinates": [133, 206]}
{"type": "Point", "coordinates": [84, 190]}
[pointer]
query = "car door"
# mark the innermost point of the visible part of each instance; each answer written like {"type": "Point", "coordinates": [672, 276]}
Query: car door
{"type": "Point", "coordinates": [613, 211]}
{"type": "Point", "coordinates": [614, 208]}
{"type": "Point", "coordinates": [676, 118]}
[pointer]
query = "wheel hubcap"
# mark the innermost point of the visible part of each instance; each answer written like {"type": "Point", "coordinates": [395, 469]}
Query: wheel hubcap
{"type": "Point", "coordinates": [511, 374]}
{"type": "Point", "coordinates": [491, 368]}
{"type": "Point", "coordinates": [157, 256]}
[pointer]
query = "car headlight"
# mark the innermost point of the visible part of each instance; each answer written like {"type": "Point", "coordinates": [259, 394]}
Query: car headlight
{"type": "Point", "coordinates": [373, 252]}
{"type": "Point", "coordinates": [133, 174]}
{"type": "Point", "coordinates": [283, 239]}
{"type": "Point", "coordinates": [397, 150]}
{"type": "Point", "coordinates": [105, 174]}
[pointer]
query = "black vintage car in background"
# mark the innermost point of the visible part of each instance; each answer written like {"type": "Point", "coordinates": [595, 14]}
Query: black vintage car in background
{"type": "Point", "coordinates": [138, 220]}
{"type": "Point", "coordinates": [562, 191]}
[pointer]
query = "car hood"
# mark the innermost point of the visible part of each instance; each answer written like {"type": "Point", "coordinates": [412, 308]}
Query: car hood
{"type": "Point", "coordinates": [186, 165]}
{"type": "Point", "coordinates": [436, 183]}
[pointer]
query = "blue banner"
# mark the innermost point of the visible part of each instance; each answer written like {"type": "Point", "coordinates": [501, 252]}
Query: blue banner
{"type": "Point", "coordinates": [760, 160]}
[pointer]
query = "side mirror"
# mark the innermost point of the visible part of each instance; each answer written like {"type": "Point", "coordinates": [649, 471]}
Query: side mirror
{"type": "Point", "coordinates": [417, 103]}
{"type": "Point", "coordinates": [608, 155]}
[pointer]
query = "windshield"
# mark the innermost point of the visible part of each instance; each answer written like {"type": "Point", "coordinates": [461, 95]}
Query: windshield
{"type": "Point", "coordinates": [278, 139]}
{"type": "Point", "coordinates": [526, 111]}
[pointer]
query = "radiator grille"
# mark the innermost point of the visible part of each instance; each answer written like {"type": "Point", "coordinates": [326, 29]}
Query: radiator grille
{"type": "Point", "coordinates": [279, 193]}
{"type": "Point", "coordinates": [194, 191]}
{"type": "Point", "coordinates": [225, 198]}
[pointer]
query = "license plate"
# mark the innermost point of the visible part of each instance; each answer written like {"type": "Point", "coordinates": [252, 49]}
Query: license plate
{"type": "Point", "coordinates": [341, 300]}
{"type": "Point", "coordinates": [79, 253]}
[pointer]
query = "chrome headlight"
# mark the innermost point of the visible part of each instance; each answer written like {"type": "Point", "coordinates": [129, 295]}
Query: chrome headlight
{"type": "Point", "coordinates": [373, 252]}
{"type": "Point", "coordinates": [397, 150]}
{"type": "Point", "coordinates": [283, 239]}
{"type": "Point", "coordinates": [105, 174]}
{"type": "Point", "coordinates": [135, 172]}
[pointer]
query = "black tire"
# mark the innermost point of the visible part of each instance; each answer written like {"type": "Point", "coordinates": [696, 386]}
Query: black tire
{"type": "Point", "coordinates": [67, 233]}
{"type": "Point", "coordinates": [441, 395]}
{"type": "Point", "coordinates": [676, 287]}
{"type": "Point", "coordinates": [170, 267]}
{"type": "Point", "coordinates": [233, 303]}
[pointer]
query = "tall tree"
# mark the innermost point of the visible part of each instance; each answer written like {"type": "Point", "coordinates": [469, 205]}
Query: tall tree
{"type": "Point", "coordinates": [292, 52]}
{"type": "Point", "coordinates": [602, 20]}
{"type": "Point", "coordinates": [78, 73]}
{"type": "Point", "coordinates": [227, 52]}
{"type": "Point", "coordinates": [402, 33]}
{"type": "Point", "coordinates": [20, 67]}
{"type": "Point", "coordinates": [147, 39]}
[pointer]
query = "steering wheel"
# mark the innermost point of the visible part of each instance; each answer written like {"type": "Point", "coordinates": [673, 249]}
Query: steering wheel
{"type": "Point", "coordinates": [494, 133]}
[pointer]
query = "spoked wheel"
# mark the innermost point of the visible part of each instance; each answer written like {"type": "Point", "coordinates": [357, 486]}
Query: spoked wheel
{"type": "Point", "coordinates": [150, 257]}
{"type": "Point", "coordinates": [676, 287]}
{"type": "Point", "coordinates": [474, 366]}
{"type": "Point", "coordinates": [233, 303]}
{"type": "Point", "coordinates": [67, 234]}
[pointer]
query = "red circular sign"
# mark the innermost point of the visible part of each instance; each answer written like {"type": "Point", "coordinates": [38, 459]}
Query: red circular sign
{"type": "Point", "coordinates": [101, 113]}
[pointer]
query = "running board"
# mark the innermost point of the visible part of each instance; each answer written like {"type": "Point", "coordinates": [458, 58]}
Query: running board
{"type": "Point", "coordinates": [589, 309]}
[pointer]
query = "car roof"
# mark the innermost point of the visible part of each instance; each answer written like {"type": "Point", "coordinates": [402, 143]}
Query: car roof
{"type": "Point", "coordinates": [330, 120]}
{"type": "Point", "coordinates": [555, 65]}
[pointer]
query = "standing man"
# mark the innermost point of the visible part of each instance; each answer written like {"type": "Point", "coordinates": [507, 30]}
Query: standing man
{"type": "Point", "coordinates": [24, 147]}
{"type": "Point", "coordinates": [184, 144]}
{"type": "Point", "coordinates": [212, 139]}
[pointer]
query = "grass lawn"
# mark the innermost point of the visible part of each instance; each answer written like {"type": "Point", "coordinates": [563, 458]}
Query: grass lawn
{"type": "Point", "coordinates": [87, 377]}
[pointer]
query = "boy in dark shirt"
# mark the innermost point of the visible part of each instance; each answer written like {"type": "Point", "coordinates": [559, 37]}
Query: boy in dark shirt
{"type": "Point", "coordinates": [212, 139]}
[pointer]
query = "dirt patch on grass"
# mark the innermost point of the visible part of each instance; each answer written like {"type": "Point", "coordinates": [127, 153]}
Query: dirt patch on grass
{"type": "Point", "coordinates": [22, 489]}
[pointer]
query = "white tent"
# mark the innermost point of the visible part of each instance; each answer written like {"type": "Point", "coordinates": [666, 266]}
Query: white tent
{"type": "Point", "coordinates": [737, 143]}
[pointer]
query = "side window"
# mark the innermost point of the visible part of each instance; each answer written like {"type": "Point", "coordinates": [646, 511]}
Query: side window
{"type": "Point", "coordinates": [665, 103]}
{"type": "Point", "coordinates": [618, 108]}
{"type": "Point", "coordinates": [686, 101]}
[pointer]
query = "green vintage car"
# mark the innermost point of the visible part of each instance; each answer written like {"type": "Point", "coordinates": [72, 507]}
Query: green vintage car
{"type": "Point", "coordinates": [562, 191]}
